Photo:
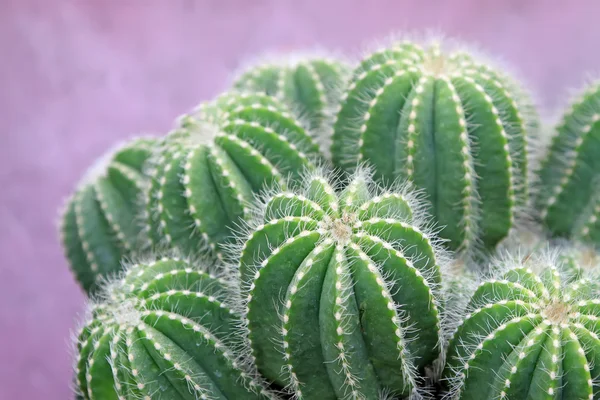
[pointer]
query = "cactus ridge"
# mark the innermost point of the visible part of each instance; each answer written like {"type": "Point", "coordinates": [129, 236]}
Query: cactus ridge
{"type": "Point", "coordinates": [208, 170]}
{"type": "Point", "coordinates": [568, 194]}
{"type": "Point", "coordinates": [531, 332]}
{"type": "Point", "coordinates": [452, 125]}
{"type": "Point", "coordinates": [166, 330]}
{"type": "Point", "coordinates": [309, 84]}
{"type": "Point", "coordinates": [340, 290]}
{"type": "Point", "coordinates": [99, 224]}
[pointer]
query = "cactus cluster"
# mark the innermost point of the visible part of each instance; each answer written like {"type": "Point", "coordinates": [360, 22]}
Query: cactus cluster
{"type": "Point", "coordinates": [568, 196]}
{"type": "Point", "coordinates": [99, 226]}
{"type": "Point", "coordinates": [530, 332]}
{"type": "Point", "coordinates": [370, 280]}
{"type": "Point", "coordinates": [208, 170]}
{"type": "Point", "coordinates": [340, 291]}
{"type": "Point", "coordinates": [448, 122]}
{"type": "Point", "coordinates": [165, 331]}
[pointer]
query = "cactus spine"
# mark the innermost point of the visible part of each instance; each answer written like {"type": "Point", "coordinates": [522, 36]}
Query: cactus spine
{"type": "Point", "coordinates": [530, 333]}
{"type": "Point", "coordinates": [568, 189]}
{"type": "Point", "coordinates": [99, 225]}
{"type": "Point", "coordinates": [163, 331]}
{"type": "Point", "coordinates": [452, 125]}
{"type": "Point", "coordinates": [340, 291]}
{"type": "Point", "coordinates": [208, 170]}
{"type": "Point", "coordinates": [309, 85]}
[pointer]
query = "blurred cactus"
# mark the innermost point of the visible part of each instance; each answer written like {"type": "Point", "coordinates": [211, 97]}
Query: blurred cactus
{"type": "Point", "coordinates": [568, 192]}
{"type": "Point", "coordinates": [99, 225]}
{"type": "Point", "coordinates": [310, 85]}
{"type": "Point", "coordinates": [165, 330]}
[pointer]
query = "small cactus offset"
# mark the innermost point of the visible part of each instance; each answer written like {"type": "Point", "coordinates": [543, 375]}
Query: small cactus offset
{"type": "Point", "coordinates": [568, 195]}
{"type": "Point", "coordinates": [530, 333]}
{"type": "Point", "coordinates": [310, 85]}
{"type": "Point", "coordinates": [99, 225]}
{"type": "Point", "coordinates": [208, 170]}
{"type": "Point", "coordinates": [443, 119]}
{"type": "Point", "coordinates": [340, 291]}
{"type": "Point", "coordinates": [164, 331]}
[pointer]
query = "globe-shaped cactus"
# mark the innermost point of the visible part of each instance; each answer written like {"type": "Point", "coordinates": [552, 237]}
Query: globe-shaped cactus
{"type": "Point", "coordinates": [309, 84]}
{"type": "Point", "coordinates": [441, 118]}
{"type": "Point", "coordinates": [100, 223]}
{"type": "Point", "coordinates": [530, 333]}
{"type": "Point", "coordinates": [340, 291]}
{"type": "Point", "coordinates": [209, 169]}
{"type": "Point", "coordinates": [164, 331]}
{"type": "Point", "coordinates": [568, 195]}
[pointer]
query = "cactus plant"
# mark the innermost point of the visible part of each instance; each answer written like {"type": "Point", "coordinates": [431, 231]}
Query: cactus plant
{"type": "Point", "coordinates": [208, 170]}
{"type": "Point", "coordinates": [568, 193]}
{"type": "Point", "coordinates": [457, 128]}
{"type": "Point", "coordinates": [340, 290]}
{"type": "Point", "coordinates": [530, 332]}
{"type": "Point", "coordinates": [310, 84]}
{"type": "Point", "coordinates": [164, 330]}
{"type": "Point", "coordinates": [99, 225]}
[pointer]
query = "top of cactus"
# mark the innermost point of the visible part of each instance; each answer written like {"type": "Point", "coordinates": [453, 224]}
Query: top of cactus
{"type": "Point", "coordinates": [533, 328]}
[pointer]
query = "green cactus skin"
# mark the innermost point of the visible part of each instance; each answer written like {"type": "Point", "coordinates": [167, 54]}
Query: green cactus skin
{"type": "Point", "coordinates": [164, 331]}
{"type": "Point", "coordinates": [310, 85]}
{"type": "Point", "coordinates": [99, 225]}
{"type": "Point", "coordinates": [208, 171]}
{"type": "Point", "coordinates": [568, 195]}
{"type": "Point", "coordinates": [528, 335]}
{"type": "Point", "coordinates": [340, 291]}
{"type": "Point", "coordinates": [450, 124]}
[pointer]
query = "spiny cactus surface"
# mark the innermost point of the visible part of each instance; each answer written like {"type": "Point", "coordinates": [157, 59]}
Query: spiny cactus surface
{"type": "Point", "coordinates": [208, 170]}
{"type": "Point", "coordinates": [99, 225]}
{"type": "Point", "coordinates": [451, 124]}
{"type": "Point", "coordinates": [531, 333]}
{"type": "Point", "coordinates": [340, 291]}
{"type": "Point", "coordinates": [310, 85]}
{"type": "Point", "coordinates": [165, 331]}
{"type": "Point", "coordinates": [568, 197]}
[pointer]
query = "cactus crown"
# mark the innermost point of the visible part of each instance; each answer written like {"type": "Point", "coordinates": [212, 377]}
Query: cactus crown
{"type": "Point", "coordinates": [99, 226]}
{"type": "Point", "coordinates": [568, 192]}
{"type": "Point", "coordinates": [165, 329]}
{"type": "Point", "coordinates": [455, 127]}
{"type": "Point", "coordinates": [337, 287]}
{"type": "Point", "coordinates": [201, 186]}
{"type": "Point", "coordinates": [309, 84]}
{"type": "Point", "coordinates": [532, 331]}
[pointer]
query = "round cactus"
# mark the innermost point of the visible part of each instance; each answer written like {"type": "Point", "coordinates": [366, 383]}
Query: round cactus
{"type": "Point", "coordinates": [310, 85]}
{"type": "Point", "coordinates": [340, 291]}
{"type": "Point", "coordinates": [208, 170]}
{"type": "Point", "coordinates": [455, 127]}
{"type": "Point", "coordinates": [99, 225]}
{"type": "Point", "coordinates": [165, 330]}
{"type": "Point", "coordinates": [532, 332]}
{"type": "Point", "coordinates": [568, 196]}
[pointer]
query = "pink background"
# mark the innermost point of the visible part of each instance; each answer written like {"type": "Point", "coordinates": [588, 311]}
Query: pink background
{"type": "Point", "coordinates": [77, 76]}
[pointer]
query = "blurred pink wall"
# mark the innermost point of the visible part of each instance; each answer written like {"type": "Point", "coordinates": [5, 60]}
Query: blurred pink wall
{"type": "Point", "coordinates": [76, 76]}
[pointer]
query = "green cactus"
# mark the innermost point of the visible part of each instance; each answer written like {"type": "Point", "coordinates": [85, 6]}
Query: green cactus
{"type": "Point", "coordinates": [99, 225]}
{"type": "Point", "coordinates": [532, 332]}
{"type": "Point", "coordinates": [340, 291]}
{"type": "Point", "coordinates": [311, 85]}
{"type": "Point", "coordinates": [164, 331]}
{"type": "Point", "coordinates": [446, 121]}
{"type": "Point", "coordinates": [568, 193]}
{"type": "Point", "coordinates": [208, 171]}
